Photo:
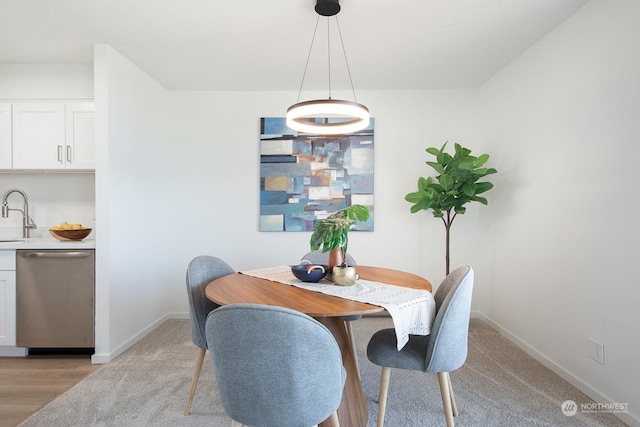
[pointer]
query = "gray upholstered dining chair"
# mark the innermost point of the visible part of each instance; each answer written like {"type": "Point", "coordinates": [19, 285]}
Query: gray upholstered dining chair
{"type": "Point", "coordinates": [274, 367]}
{"type": "Point", "coordinates": [200, 271]}
{"type": "Point", "coordinates": [443, 351]}
{"type": "Point", "coordinates": [323, 258]}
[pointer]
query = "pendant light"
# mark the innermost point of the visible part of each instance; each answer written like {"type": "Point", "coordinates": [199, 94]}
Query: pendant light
{"type": "Point", "coordinates": [327, 116]}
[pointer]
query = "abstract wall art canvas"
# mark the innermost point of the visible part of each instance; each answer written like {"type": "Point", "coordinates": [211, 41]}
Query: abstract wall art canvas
{"type": "Point", "coordinates": [304, 177]}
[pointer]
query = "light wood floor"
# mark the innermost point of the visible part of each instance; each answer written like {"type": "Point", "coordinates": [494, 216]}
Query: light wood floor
{"type": "Point", "coordinates": [29, 383]}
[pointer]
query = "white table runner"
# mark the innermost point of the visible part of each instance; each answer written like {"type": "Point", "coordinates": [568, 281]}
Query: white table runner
{"type": "Point", "coordinates": [412, 310]}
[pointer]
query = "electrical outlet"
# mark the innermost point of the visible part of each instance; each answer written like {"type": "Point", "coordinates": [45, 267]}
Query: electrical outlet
{"type": "Point", "coordinates": [595, 350]}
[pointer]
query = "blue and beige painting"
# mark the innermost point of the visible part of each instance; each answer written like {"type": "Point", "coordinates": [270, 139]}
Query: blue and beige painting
{"type": "Point", "coordinates": [306, 177]}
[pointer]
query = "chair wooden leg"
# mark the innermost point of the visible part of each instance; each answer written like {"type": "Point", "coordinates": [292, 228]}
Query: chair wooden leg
{"type": "Point", "coordinates": [353, 345]}
{"type": "Point", "coordinates": [454, 406]}
{"type": "Point", "coordinates": [332, 420]}
{"type": "Point", "coordinates": [446, 397]}
{"type": "Point", "coordinates": [335, 422]}
{"type": "Point", "coordinates": [194, 381]}
{"type": "Point", "coordinates": [382, 398]}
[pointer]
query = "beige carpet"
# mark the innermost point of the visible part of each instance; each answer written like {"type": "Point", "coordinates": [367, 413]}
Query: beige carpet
{"type": "Point", "coordinates": [499, 385]}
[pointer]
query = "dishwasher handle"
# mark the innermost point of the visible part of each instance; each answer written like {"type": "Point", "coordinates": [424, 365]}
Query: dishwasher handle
{"type": "Point", "coordinates": [62, 254]}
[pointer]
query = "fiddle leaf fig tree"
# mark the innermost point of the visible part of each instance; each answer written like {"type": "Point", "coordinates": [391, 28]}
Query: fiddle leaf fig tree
{"type": "Point", "coordinates": [457, 183]}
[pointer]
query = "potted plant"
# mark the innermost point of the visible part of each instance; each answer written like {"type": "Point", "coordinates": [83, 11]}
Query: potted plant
{"type": "Point", "coordinates": [456, 185]}
{"type": "Point", "coordinates": [332, 235]}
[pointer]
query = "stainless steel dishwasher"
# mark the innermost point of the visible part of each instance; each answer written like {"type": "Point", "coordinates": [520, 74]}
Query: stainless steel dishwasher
{"type": "Point", "coordinates": [55, 298]}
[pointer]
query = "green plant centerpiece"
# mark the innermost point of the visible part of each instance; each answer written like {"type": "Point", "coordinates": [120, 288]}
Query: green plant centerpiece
{"type": "Point", "coordinates": [457, 184]}
{"type": "Point", "coordinates": [332, 235]}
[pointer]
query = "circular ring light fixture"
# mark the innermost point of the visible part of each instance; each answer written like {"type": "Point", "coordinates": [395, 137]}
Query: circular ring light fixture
{"type": "Point", "coordinates": [315, 117]}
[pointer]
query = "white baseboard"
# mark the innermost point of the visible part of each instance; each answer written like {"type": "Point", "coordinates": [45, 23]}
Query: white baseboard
{"type": "Point", "coordinates": [584, 387]}
{"type": "Point", "coordinates": [98, 359]}
{"type": "Point", "coordinates": [13, 351]}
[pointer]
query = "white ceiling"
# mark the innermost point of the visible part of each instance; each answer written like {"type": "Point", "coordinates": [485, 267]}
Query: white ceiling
{"type": "Point", "coordinates": [263, 45]}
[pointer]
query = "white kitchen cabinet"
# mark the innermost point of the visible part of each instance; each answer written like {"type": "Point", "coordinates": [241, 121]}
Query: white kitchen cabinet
{"type": "Point", "coordinates": [6, 156]}
{"type": "Point", "coordinates": [53, 135]}
{"type": "Point", "coordinates": [80, 148]}
{"type": "Point", "coordinates": [38, 135]}
{"type": "Point", "coordinates": [7, 298]}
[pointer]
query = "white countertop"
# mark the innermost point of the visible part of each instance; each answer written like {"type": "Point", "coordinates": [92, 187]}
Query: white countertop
{"type": "Point", "coordinates": [48, 243]}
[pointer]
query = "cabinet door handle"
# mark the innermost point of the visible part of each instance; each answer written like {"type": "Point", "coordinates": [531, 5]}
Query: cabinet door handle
{"type": "Point", "coordinates": [59, 153]}
{"type": "Point", "coordinates": [68, 153]}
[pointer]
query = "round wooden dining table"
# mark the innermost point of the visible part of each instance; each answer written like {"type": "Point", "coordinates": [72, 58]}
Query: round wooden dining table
{"type": "Point", "coordinates": [329, 310]}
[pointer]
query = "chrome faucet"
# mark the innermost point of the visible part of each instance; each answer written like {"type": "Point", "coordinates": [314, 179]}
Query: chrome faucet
{"type": "Point", "coordinates": [27, 222]}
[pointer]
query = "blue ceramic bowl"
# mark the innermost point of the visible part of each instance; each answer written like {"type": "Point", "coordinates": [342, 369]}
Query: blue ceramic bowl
{"type": "Point", "coordinates": [310, 272]}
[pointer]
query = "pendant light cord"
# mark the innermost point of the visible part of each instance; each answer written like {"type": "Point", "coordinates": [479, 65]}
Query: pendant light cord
{"type": "Point", "coordinates": [344, 52]}
{"type": "Point", "coordinates": [346, 61]}
{"type": "Point", "coordinates": [329, 56]}
{"type": "Point", "coordinates": [308, 57]}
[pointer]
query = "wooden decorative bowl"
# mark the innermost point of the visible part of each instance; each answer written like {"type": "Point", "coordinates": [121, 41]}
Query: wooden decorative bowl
{"type": "Point", "coordinates": [70, 234]}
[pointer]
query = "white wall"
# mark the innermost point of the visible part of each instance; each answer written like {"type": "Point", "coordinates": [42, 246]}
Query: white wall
{"type": "Point", "coordinates": [133, 170]}
{"type": "Point", "coordinates": [214, 188]}
{"type": "Point", "coordinates": [46, 81]}
{"type": "Point", "coordinates": [213, 191]}
{"type": "Point", "coordinates": [563, 121]}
